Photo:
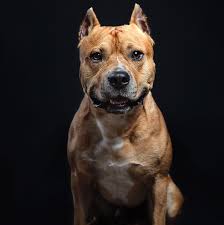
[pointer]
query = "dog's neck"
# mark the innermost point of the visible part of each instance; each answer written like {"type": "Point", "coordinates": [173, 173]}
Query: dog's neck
{"type": "Point", "coordinates": [118, 125]}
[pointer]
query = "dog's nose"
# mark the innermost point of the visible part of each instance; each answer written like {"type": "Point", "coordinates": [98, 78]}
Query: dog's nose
{"type": "Point", "coordinates": [119, 79]}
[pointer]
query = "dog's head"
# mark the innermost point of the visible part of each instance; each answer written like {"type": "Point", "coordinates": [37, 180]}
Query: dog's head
{"type": "Point", "coordinates": [117, 68]}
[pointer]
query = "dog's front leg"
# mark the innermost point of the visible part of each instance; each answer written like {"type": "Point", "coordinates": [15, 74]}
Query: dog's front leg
{"type": "Point", "coordinates": [82, 197]}
{"type": "Point", "coordinates": [159, 200]}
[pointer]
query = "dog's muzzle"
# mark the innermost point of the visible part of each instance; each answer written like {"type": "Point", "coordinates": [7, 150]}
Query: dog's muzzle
{"type": "Point", "coordinates": [118, 105]}
{"type": "Point", "coordinates": [117, 92]}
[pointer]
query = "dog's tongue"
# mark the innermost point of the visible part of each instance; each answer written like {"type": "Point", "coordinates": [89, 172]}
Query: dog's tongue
{"type": "Point", "coordinates": [118, 101]}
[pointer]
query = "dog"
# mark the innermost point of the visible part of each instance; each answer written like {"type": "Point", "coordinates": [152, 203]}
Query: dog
{"type": "Point", "coordinates": [119, 148]}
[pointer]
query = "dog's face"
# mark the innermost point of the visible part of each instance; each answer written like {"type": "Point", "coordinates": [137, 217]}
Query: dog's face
{"type": "Point", "coordinates": [117, 68]}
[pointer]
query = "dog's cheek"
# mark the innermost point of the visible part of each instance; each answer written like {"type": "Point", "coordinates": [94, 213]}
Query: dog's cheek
{"type": "Point", "coordinates": [85, 76]}
{"type": "Point", "coordinates": [83, 83]}
{"type": "Point", "coordinates": [90, 82]}
{"type": "Point", "coordinates": [148, 72]}
{"type": "Point", "coordinates": [145, 75]}
{"type": "Point", "coordinates": [151, 74]}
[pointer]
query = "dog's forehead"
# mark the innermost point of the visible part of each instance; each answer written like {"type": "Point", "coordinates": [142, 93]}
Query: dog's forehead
{"type": "Point", "coordinates": [133, 35]}
{"type": "Point", "coordinates": [119, 35]}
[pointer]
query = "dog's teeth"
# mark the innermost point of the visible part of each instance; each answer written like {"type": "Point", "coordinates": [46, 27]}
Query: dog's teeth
{"type": "Point", "coordinates": [114, 102]}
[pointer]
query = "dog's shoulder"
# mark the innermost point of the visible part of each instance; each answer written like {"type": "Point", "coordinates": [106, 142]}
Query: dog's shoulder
{"type": "Point", "coordinates": [77, 124]}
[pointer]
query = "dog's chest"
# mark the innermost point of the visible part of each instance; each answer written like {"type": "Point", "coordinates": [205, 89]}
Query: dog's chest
{"type": "Point", "coordinates": [113, 175]}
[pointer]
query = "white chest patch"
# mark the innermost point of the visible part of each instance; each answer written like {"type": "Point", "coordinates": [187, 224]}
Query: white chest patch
{"type": "Point", "coordinates": [115, 179]}
{"type": "Point", "coordinates": [113, 175]}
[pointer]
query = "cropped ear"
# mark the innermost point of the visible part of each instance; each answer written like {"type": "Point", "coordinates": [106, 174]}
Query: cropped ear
{"type": "Point", "coordinates": [89, 22]}
{"type": "Point", "coordinates": [139, 18]}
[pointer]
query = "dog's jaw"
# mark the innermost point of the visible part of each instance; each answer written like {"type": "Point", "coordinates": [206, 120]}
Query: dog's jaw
{"type": "Point", "coordinates": [119, 105]}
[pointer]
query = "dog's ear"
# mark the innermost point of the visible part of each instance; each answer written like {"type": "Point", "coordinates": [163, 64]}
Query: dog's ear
{"type": "Point", "coordinates": [139, 18]}
{"type": "Point", "coordinates": [89, 22]}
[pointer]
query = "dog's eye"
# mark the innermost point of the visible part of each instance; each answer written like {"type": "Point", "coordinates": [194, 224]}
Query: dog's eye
{"type": "Point", "coordinates": [137, 55]}
{"type": "Point", "coordinates": [96, 57]}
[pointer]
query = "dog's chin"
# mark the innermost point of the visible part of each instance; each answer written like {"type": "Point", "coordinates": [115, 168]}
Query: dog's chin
{"type": "Point", "coordinates": [120, 104]}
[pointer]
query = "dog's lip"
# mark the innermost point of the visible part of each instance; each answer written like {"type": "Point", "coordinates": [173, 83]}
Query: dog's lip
{"type": "Point", "coordinates": [120, 101]}
{"type": "Point", "coordinates": [117, 102]}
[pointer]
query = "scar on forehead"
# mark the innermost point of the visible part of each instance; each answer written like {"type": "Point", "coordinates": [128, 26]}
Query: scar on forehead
{"type": "Point", "coordinates": [115, 31]}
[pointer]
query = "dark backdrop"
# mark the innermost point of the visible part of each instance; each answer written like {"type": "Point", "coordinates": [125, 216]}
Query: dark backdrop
{"type": "Point", "coordinates": [41, 92]}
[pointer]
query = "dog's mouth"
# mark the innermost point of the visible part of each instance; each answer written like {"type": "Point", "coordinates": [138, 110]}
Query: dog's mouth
{"type": "Point", "coordinates": [120, 104]}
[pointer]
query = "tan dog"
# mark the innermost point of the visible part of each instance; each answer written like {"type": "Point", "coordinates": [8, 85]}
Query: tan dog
{"type": "Point", "coordinates": [119, 147]}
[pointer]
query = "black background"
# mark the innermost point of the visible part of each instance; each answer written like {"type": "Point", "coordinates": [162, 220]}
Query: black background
{"type": "Point", "coordinates": [41, 92]}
